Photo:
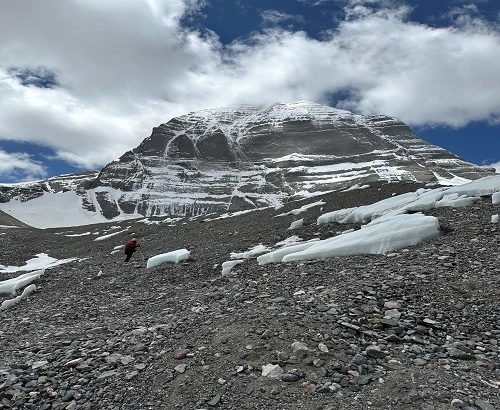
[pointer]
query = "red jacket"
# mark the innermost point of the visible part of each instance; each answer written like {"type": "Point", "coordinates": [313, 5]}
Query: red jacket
{"type": "Point", "coordinates": [130, 246]}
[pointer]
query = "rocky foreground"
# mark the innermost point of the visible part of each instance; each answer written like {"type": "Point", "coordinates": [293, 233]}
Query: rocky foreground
{"type": "Point", "coordinates": [415, 329]}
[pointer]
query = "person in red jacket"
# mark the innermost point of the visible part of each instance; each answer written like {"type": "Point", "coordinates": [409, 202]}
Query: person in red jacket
{"type": "Point", "coordinates": [130, 248]}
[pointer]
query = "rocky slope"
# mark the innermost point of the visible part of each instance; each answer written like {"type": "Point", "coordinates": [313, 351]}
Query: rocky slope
{"type": "Point", "coordinates": [415, 329]}
{"type": "Point", "coordinates": [246, 157]}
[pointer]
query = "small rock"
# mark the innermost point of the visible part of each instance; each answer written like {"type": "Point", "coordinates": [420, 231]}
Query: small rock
{"type": "Point", "coordinates": [127, 360]}
{"type": "Point", "coordinates": [107, 374]}
{"type": "Point", "coordinates": [71, 406]}
{"type": "Point", "coordinates": [113, 358]}
{"type": "Point", "coordinates": [131, 375]}
{"type": "Point", "coordinates": [214, 401]}
{"type": "Point", "coordinates": [431, 323]}
{"type": "Point", "coordinates": [74, 362]}
{"type": "Point", "coordinates": [39, 364]}
{"type": "Point", "coordinates": [420, 362]}
{"type": "Point", "coordinates": [180, 353]}
{"type": "Point", "coordinates": [359, 359]}
{"type": "Point", "coordinates": [290, 377]}
{"type": "Point", "coordinates": [140, 366]}
{"type": "Point", "coordinates": [392, 305]}
{"type": "Point", "coordinates": [322, 308]}
{"type": "Point", "coordinates": [274, 371]}
{"type": "Point", "coordinates": [459, 354]}
{"type": "Point", "coordinates": [364, 380]}
{"type": "Point", "coordinates": [375, 352]}
{"type": "Point", "coordinates": [296, 346]}
{"type": "Point", "coordinates": [68, 396]}
{"type": "Point", "coordinates": [323, 348]}
{"type": "Point", "coordinates": [323, 388]}
{"type": "Point", "coordinates": [483, 405]}
{"type": "Point", "coordinates": [308, 387]}
{"type": "Point", "coordinates": [392, 314]}
{"type": "Point", "coordinates": [282, 356]}
{"type": "Point", "coordinates": [393, 339]}
{"type": "Point", "coordinates": [389, 322]}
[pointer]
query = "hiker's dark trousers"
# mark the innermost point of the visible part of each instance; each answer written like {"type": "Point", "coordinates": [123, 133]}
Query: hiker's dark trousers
{"type": "Point", "coordinates": [129, 254]}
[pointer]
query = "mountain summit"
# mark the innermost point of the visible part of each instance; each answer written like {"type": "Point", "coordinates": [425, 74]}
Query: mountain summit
{"type": "Point", "coordinates": [243, 157]}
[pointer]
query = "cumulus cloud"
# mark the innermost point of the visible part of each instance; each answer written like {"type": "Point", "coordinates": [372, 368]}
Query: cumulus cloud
{"type": "Point", "coordinates": [20, 167]}
{"type": "Point", "coordinates": [90, 78]}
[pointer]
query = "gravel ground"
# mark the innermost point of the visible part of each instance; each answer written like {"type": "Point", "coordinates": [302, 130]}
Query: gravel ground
{"type": "Point", "coordinates": [414, 329]}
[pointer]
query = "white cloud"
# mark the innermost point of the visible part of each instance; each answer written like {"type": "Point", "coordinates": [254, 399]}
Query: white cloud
{"type": "Point", "coordinates": [117, 63]}
{"type": "Point", "coordinates": [125, 66]}
{"type": "Point", "coordinates": [20, 166]}
{"type": "Point", "coordinates": [495, 165]}
{"type": "Point", "coordinates": [276, 17]}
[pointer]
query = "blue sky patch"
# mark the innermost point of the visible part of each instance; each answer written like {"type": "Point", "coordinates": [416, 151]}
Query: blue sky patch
{"type": "Point", "coordinates": [38, 77]}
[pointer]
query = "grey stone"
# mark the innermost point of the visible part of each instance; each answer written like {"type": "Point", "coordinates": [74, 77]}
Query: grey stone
{"type": "Point", "coordinates": [460, 354]}
{"type": "Point", "coordinates": [215, 401]}
{"type": "Point", "coordinates": [375, 352]}
{"type": "Point", "coordinates": [484, 405]}
{"type": "Point", "coordinates": [290, 377]}
{"type": "Point", "coordinates": [68, 396]}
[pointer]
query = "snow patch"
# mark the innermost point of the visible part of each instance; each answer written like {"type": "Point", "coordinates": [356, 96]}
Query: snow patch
{"type": "Point", "coordinates": [10, 302]}
{"type": "Point", "coordinates": [256, 250]}
{"type": "Point", "coordinates": [169, 257]}
{"type": "Point", "coordinates": [451, 181]}
{"type": "Point", "coordinates": [227, 266]}
{"type": "Point", "coordinates": [296, 224]}
{"type": "Point", "coordinates": [393, 233]}
{"type": "Point", "coordinates": [10, 286]}
{"type": "Point", "coordinates": [40, 261]}
{"type": "Point", "coordinates": [104, 237]}
{"type": "Point", "coordinates": [495, 198]}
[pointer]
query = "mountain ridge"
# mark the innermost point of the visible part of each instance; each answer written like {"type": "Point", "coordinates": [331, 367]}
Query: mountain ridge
{"type": "Point", "coordinates": [244, 157]}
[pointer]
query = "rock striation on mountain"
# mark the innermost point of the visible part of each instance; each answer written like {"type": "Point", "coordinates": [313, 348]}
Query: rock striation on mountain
{"type": "Point", "coordinates": [243, 157]}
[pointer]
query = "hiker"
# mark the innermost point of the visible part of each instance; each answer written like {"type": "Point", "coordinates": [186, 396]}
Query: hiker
{"type": "Point", "coordinates": [130, 248]}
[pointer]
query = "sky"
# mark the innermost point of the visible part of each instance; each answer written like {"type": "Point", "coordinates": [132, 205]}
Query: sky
{"type": "Point", "coordinates": [83, 81]}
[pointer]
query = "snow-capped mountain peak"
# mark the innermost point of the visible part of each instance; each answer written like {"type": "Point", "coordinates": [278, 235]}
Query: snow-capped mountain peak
{"type": "Point", "coordinates": [249, 156]}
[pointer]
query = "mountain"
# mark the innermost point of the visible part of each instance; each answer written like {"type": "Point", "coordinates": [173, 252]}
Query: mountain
{"type": "Point", "coordinates": [245, 157]}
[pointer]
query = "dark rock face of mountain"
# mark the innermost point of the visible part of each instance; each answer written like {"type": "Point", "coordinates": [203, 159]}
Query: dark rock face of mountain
{"type": "Point", "coordinates": [236, 158]}
{"type": "Point", "coordinates": [230, 159]}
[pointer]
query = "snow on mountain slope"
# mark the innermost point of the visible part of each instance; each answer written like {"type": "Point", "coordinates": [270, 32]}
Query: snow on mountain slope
{"type": "Point", "coordinates": [56, 210]}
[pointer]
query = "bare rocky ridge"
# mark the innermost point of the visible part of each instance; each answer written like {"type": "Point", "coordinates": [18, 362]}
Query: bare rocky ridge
{"type": "Point", "coordinates": [416, 329]}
